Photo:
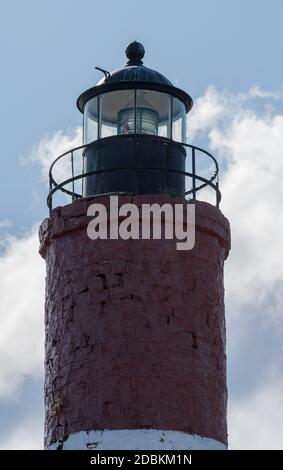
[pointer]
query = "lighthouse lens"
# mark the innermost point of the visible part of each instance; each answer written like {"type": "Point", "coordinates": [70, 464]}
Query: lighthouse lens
{"type": "Point", "coordinates": [126, 121]}
{"type": "Point", "coordinates": [146, 121]}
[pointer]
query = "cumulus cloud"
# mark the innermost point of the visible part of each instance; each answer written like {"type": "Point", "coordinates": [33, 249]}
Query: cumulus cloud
{"type": "Point", "coordinates": [219, 108]}
{"type": "Point", "coordinates": [249, 144]}
{"type": "Point", "coordinates": [246, 135]}
{"type": "Point", "coordinates": [22, 283]}
{"type": "Point", "coordinates": [257, 92]}
{"type": "Point", "coordinates": [50, 147]}
{"type": "Point", "coordinates": [21, 313]}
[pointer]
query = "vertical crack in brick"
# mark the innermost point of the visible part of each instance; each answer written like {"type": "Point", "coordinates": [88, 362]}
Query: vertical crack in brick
{"type": "Point", "coordinates": [103, 280]}
{"type": "Point", "coordinates": [120, 277]}
{"type": "Point", "coordinates": [195, 344]}
{"type": "Point", "coordinates": [102, 304]}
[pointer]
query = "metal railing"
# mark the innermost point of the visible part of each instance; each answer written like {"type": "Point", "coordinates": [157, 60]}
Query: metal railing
{"type": "Point", "coordinates": [68, 186]}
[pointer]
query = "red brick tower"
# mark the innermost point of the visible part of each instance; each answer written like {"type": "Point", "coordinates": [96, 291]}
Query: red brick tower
{"type": "Point", "coordinates": [135, 328]}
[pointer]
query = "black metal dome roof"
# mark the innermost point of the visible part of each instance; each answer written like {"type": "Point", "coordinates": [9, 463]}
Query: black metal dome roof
{"type": "Point", "coordinates": [135, 73]}
{"type": "Point", "coordinates": [133, 76]}
{"type": "Point", "coordinates": [135, 70]}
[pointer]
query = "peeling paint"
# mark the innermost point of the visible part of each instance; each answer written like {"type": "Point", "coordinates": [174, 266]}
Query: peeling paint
{"type": "Point", "coordinates": [137, 439]}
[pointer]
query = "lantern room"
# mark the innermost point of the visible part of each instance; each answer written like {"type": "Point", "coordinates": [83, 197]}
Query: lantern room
{"type": "Point", "coordinates": [134, 140]}
{"type": "Point", "coordinates": [134, 125]}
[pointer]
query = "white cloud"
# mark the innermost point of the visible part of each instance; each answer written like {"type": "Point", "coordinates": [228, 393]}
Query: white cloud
{"type": "Point", "coordinates": [216, 108]}
{"type": "Point", "coordinates": [50, 147]}
{"type": "Point", "coordinates": [21, 313]}
{"type": "Point", "coordinates": [22, 284]}
{"type": "Point", "coordinates": [206, 111]}
{"type": "Point", "coordinates": [248, 142]}
{"type": "Point", "coordinates": [252, 198]}
{"type": "Point", "coordinates": [256, 92]}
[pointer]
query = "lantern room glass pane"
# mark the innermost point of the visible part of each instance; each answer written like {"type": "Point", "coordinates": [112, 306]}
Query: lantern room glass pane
{"type": "Point", "coordinates": [153, 113]}
{"type": "Point", "coordinates": [178, 120]}
{"type": "Point", "coordinates": [91, 121]}
{"type": "Point", "coordinates": [117, 113]}
{"type": "Point", "coordinates": [120, 112]}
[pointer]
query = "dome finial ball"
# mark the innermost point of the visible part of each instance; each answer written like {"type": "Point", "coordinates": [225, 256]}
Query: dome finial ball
{"type": "Point", "coordinates": [135, 52]}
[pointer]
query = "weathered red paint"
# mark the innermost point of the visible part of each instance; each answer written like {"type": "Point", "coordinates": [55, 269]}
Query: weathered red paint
{"type": "Point", "coordinates": [135, 330]}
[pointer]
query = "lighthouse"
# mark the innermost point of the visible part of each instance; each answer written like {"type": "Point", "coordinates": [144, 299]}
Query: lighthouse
{"type": "Point", "coordinates": [135, 328]}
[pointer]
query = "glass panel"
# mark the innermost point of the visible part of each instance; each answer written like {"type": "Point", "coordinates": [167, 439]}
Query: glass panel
{"type": "Point", "coordinates": [117, 112]}
{"type": "Point", "coordinates": [117, 115]}
{"type": "Point", "coordinates": [90, 121]}
{"type": "Point", "coordinates": [179, 121]}
{"type": "Point", "coordinates": [153, 113]}
{"type": "Point", "coordinates": [163, 131]}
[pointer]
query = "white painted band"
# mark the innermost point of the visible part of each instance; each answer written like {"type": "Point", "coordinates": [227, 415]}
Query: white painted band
{"type": "Point", "coordinates": [136, 439]}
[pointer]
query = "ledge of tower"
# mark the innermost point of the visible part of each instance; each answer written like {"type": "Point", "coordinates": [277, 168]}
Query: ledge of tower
{"type": "Point", "coordinates": [73, 217]}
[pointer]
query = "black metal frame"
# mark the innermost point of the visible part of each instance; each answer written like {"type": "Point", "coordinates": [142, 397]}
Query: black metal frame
{"type": "Point", "coordinates": [212, 182]}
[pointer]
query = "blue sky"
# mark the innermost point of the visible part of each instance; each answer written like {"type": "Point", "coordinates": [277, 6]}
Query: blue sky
{"type": "Point", "coordinates": [228, 56]}
{"type": "Point", "coordinates": [49, 50]}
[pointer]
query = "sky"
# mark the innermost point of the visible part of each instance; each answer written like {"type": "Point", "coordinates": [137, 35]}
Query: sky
{"type": "Point", "coordinates": [228, 57]}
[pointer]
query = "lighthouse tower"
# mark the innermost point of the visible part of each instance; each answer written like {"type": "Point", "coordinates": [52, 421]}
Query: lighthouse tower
{"type": "Point", "coordinates": [135, 328]}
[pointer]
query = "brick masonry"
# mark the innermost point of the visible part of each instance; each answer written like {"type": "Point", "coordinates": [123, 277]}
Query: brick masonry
{"type": "Point", "coordinates": [135, 330]}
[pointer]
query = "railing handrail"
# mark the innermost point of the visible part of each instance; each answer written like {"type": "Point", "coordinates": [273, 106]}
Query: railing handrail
{"type": "Point", "coordinates": [54, 186]}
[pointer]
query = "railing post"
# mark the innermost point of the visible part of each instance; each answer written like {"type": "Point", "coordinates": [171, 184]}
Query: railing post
{"type": "Point", "coordinates": [50, 199]}
{"type": "Point", "coordinates": [217, 192]}
{"type": "Point", "coordinates": [73, 183]}
{"type": "Point", "coordinates": [83, 170]}
{"type": "Point", "coordinates": [194, 171]}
